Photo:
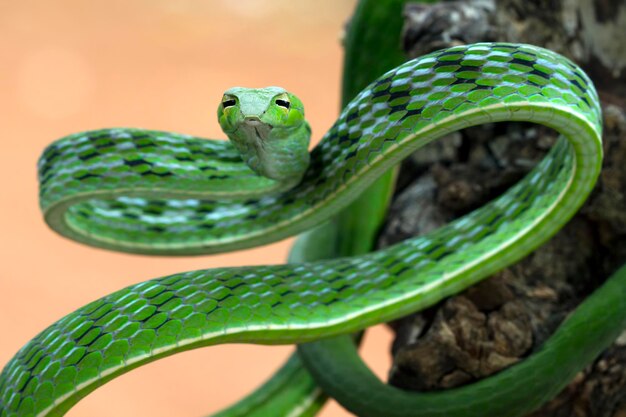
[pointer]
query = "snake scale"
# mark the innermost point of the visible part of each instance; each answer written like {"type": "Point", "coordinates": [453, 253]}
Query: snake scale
{"type": "Point", "coordinates": [152, 192]}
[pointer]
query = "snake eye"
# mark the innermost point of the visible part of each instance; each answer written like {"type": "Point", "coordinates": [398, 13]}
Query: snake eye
{"type": "Point", "coordinates": [283, 103]}
{"type": "Point", "coordinates": [229, 102]}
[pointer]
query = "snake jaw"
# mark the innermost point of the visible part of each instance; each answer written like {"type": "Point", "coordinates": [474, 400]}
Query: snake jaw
{"type": "Point", "coordinates": [253, 130]}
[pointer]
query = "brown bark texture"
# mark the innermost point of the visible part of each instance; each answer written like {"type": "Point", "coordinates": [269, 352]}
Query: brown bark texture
{"type": "Point", "coordinates": [505, 318]}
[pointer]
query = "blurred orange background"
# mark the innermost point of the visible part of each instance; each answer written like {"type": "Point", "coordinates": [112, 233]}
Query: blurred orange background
{"type": "Point", "coordinates": [72, 65]}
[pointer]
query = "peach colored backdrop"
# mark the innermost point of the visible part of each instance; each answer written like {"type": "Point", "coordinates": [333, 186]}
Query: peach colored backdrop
{"type": "Point", "coordinates": [73, 65]}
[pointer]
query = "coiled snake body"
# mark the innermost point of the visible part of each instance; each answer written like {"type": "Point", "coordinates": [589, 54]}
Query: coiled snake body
{"type": "Point", "coordinates": [162, 193]}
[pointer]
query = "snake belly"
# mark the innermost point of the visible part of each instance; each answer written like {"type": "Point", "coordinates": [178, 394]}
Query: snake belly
{"type": "Point", "coordinates": [154, 192]}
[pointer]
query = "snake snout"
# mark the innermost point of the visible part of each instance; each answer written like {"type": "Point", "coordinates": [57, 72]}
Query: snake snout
{"type": "Point", "coordinates": [252, 120]}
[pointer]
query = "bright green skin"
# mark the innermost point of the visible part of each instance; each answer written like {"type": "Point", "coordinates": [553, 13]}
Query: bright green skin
{"type": "Point", "coordinates": [136, 175]}
{"type": "Point", "coordinates": [272, 139]}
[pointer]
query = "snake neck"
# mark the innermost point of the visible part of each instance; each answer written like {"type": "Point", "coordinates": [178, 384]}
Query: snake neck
{"type": "Point", "coordinates": [278, 153]}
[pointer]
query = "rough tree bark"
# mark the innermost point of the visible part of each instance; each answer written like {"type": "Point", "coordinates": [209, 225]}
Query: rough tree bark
{"type": "Point", "coordinates": [505, 318]}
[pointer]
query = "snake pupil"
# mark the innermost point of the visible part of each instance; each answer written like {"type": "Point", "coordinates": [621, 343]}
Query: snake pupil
{"type": "Point", "coordinates": [229, 103]}
{"type": "Point", "coordinates": [283, 103]}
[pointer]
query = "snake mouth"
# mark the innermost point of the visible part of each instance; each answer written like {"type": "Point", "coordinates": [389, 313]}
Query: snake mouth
{"type": "Point", "coordinates": [259, 131]}
{"type": "Point", "coordinates": [253, 121]}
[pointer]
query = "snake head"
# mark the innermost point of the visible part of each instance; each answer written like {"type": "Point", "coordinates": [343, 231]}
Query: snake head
{"type": "Point", "coordinates": [268, 128]}
{"type": "Point", "coordinates": [273, 107]}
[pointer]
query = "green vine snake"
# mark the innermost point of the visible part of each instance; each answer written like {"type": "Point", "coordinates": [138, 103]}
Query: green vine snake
{"type": "Point", "coordinates": [153, 192]}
